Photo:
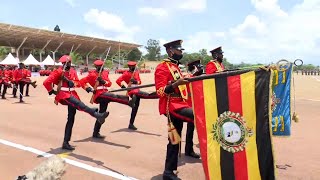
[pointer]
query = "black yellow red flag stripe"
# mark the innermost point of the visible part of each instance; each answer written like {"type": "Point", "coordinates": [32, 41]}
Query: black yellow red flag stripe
{"type": "Point", "coordinates": [232, 116]}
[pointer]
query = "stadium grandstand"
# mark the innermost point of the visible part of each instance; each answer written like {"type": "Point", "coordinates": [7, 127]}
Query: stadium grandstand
{"type": "Point", "coordinates": [23, 40]}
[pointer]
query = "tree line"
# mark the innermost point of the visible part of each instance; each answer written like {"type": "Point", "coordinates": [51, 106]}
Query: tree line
{"type": "Point", "coordinates": [153, 49]}
{"type": "Point", "coordinates": [154, 54]}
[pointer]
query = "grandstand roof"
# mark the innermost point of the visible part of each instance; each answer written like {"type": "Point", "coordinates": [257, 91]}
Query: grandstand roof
{"type": "Point", "coordinates": [13, 36]}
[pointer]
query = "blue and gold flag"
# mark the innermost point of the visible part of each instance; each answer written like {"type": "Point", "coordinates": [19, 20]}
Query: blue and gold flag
{"type": "Point", "coordinates": [281, 101]}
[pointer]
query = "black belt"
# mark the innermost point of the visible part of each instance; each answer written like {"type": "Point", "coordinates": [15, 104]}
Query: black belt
{"type": "Point", "coordinates": [175, 95]}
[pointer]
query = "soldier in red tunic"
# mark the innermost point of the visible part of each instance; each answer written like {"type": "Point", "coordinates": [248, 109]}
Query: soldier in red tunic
{"type": "Point", "coordinates": [101, 94]}
{"type": "Point", "coordinates": [19, 78]}
{"type": "Point", "coordinates": [28, 82]}
{"type": "Point", "coordinates": [132, 78]}
{"type": "Point", "coordinates": [68, 96]}
{"type": "Point", "coordinates": [4, 81]}
{"type": "Point", "coordinates": [195, 68]}
{"type": "Point", "coordinates": [215, 65]}
{"type": "Point", "coordinates": [9, 71]}
{"type": "Point", "coordinates": [172, 91]}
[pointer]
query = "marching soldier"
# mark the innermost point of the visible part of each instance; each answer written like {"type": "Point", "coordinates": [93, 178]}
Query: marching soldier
{"type": "Point", "coordinates": [215, 65]}
{"type": "Point", "coordinates": [28, 82]}
{"type": "Point", "coordinates": [171, 88]}
{"type": "Point", "coordinates": [69, 97]}
{"type": "Point", "coordinates": [9, 70]}
{"type": "Point", "coordinates": [101, 94]}
{"type": "Point", "coordinates": [1, 76]}
{"type": "Point", "coordinates": [4, 81]}
{"type": "Point", "coordinates": [19, 78]}
{"type": "Point", "coordinates": [132, 78]}
{"type": "Point", "coordinates": [195, 68]}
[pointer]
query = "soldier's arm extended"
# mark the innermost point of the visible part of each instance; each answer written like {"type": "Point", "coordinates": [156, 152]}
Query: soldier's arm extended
{"type": "Point", "coordinates": [119, 81]}
{"type": "Point", "coordinates": [84, 82]}
{"type": "Point", "coordinates": [163, 86]}
{"type": "Point", "coordinates": [52, 79]}
{"type": "Point", "coordinates": [108, 82]}
{"type": "Point", "coordinates": [138, 79]}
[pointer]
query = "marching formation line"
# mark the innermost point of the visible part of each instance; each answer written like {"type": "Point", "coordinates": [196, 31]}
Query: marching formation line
{"type": "Point", "coordinates": [69, 161]}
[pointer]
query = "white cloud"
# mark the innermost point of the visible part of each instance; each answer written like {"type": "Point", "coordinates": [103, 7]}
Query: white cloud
{"type": "Point", "coordinates": [108, 21]}
{"type": "Point", "coordinates": [193, 5]}
{"type": "Point", "coordinates": [251, 23]}
{"type": "Point", "coordinates": [268, 35]}
{"type": "Point", "coordinates": [72, 3]}
{"type": "Point", "coordinates": [164, 8]}
{"type": "Point", "coordinates": [270, 7]}
{"type": "Point", "coordinates": [157, 12]}
{"type": "Point", "coordinates": [111, 23]}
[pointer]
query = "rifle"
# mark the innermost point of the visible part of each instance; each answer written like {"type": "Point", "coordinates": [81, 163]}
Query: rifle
{"type": "Point", "coordinates": [60, 81]}
{"type": "Point", "coordinates": [135, 69]}
{"type": "Point", "coordinates": [192, 79]}
{"type": "Point", "coordinates": [131, 88]}
{"type": "Point", "coordinates": [100, 72]}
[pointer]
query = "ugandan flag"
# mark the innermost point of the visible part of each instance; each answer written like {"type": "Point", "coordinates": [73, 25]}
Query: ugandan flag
{"type": "Point", "coordinates": [233, 121]}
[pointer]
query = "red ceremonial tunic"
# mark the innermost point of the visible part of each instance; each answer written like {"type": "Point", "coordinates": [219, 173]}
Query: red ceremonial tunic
{"type": "Point", "coordinates": [65, 92]}
{"type": "Point", "coordinates": [4, 78]}
{"type": "Point", "coordinates": [91, 78]}
{"type": "Point", "coordinates": [214, 66]}
{"type": "Point", "coordinates": [126, 76]}
{"type": "Point", "coordinates": [162, 78]}
{"type": "Point", "coordinates": [20, 75]}
{"type": "Point", "coordinates": [28, 76]}
{"type": "Point", "coordinates": [9, 74]}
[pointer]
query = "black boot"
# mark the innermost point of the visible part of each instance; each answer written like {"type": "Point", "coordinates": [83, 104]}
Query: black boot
{"type": "Point", "coordinates": [98, 136]}
{"type": "Point", "coordinates": [132, 127]}
{"type": "Point", "coordinates": [96, 130]}
{"type": "Point", "coordinates": [189, 142]}
{"type": "Point", "coordinates": [67, 146]}
{"type": "Point", "coordinates": [134, 112]}
{"type": "Point", "coordinates": [92, 111]}
{"type": "Point", "coordinates": [169, 175]}
{"type": "Point", "coordinates": [27, 90]}
{"type": "Point", "coordinates": [14, 91]}
{"type": "Point", "coordinates": [4, 92]}
{"type": "Point", "coordinates": [193, 154]}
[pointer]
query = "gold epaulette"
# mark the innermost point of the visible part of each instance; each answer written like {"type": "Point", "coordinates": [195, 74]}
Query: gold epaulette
{"type": "Point", "coordinates": [165, 60]}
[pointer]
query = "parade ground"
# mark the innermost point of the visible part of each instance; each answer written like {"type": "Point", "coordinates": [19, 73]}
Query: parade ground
{"type": "Point", "coordinates": [35, 129]}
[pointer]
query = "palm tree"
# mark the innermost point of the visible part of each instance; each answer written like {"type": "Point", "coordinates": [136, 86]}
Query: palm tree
{"type": "Point", "coordinates": [76, 58]}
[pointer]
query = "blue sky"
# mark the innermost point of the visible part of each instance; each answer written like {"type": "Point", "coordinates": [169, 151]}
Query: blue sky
{"type": "Point", "coordinates": [248, 30]}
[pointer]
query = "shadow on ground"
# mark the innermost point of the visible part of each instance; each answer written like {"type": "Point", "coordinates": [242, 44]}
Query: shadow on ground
{"type": "Point", "coordinates": [102, 141]}
{"type": "Point", "coordinates": [157, 177]}
{"type": "Point", "coordinates": [137, 131]}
